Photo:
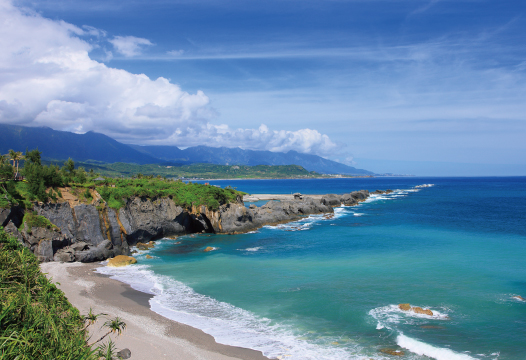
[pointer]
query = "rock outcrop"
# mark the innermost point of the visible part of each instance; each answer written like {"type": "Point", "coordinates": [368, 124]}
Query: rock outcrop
{"type": "Point", "coordinates": [415, 309]}
{"type": "Point", "coordinates": [404, 307]}
{"type": "Point", "coordinates": [121, 260]}
{"type": "Point", "coordinates": [95, 232]}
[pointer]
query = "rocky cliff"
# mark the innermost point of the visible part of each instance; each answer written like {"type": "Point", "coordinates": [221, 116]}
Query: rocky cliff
{"type": "Point", "coordinates": [95, 232]}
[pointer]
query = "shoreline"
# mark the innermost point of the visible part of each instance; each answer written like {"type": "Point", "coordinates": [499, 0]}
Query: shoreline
{"type": "Point", "coordinates": [263, 197]}
{"type": "Point", "coordinates": [148, 335]}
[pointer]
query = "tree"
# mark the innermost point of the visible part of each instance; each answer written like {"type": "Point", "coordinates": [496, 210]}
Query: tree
{"type": "Point", "coordinates": [12, 156]}
{"type": "Point", "coordinates": [16, 156]}
{"type": "Point", "coordinates": [115, 325]}
{"type": "Point", "coordinates": [69, 165]}
{"type": "Point", "coordinates": [34, 156]}
{"type": "Point", "coordinates": [6, 170]}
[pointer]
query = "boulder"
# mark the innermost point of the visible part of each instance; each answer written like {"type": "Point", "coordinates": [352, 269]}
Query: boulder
{"type": "Point", "coordinates": [518, 297]}
{"type": "Point", "coordinates": [360, 195]}
{"type": "Point", "coordinates": [79, 246]}
{"type": "Point", "coordinates": [331, 200]}
{"type": "Point", "coordinates": [121, 260]}
{"type": "Point", "coordinates": [404, 307]}
{"type": "Point", "coordinates": [149, 257]}
{"type": "Point", "coordinates": [297, 196]}
{"type": "Point", "coordinates": [65, 255]}
{"type": "Point", "coordinates": [419, 310]}
{"type": "Point", "coordinates": [102, 252]}
{"type": "Point", "coordinates": [252, 206]}
{"type": "Point", "coordinates": [142, 246]}
{"type": "Point", "coordinates": [348, 200]}
{"type": "Point", "coordinates": [209, 248]}
{"type": "Point", "coordinates": [124, 354]}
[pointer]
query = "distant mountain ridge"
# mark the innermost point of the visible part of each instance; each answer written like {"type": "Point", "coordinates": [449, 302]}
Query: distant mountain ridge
{"type": "Point", "coordinates": [237, 156]}
{"type": "Point", "coordinates": [62, 145]}
{"type": "Point", "coordinates": [99, 147]}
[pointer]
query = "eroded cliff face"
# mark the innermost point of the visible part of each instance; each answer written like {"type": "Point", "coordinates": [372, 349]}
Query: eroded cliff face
{"type": "Point", "coordinates": [95, 232]}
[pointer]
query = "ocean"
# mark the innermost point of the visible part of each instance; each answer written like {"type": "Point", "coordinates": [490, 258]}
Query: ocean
{"type": "Point", "coordinates": [329, 288]}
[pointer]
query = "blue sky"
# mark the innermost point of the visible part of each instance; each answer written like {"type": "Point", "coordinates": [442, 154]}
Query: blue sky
{"type": "Point", "coordinates": [390, 86]}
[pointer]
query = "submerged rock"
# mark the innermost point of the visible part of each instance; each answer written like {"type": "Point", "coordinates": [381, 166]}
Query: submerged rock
{"type": "Point", "coordinates": [149, 257]}
{"type": "Point", "coordinates": [392, 352]}
{"type": "Point", "coordinates": [121, 260]}
{"type": "Point", "coordinates": [518, 297]}
{"type": "Point", "coordinates": [209, 248]}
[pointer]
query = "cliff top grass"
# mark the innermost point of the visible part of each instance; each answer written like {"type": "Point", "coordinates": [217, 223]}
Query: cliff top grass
{"type": "Point", "coordinates": [31, 219]}
{"type": "Point", "coordinates": [36, 319]}
{"type": "Point", "coordinates": [116, 191]}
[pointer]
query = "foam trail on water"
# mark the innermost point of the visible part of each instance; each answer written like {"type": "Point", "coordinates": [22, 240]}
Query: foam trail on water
{"type": "Point", "coordinates": [227, 323]}
{"type": "Point", "coordinates": [421, 348]}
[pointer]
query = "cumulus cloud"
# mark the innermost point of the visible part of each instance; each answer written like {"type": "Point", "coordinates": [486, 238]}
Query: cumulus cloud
{"type": "Point", "coordinates": [129, 46]}
{"type": "Point", "coordinates": [49, 79]}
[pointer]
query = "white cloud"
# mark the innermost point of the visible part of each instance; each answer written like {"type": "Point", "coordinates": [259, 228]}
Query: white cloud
{"type": "Point", "coordinates": [129, 45]}
{"type": "Point", "coordinates": [49, 79]}
{"type": "Point", "coordinates": [93, 31]}
{"type": "Point", "coordinates": [175, 53]}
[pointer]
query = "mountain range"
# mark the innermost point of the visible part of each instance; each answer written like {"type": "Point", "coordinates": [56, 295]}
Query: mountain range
{"type": "Point", "coordinates": [93, 146]}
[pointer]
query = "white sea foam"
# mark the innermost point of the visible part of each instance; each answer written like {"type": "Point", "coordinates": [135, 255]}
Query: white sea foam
{"type": "Point", "coordinates": [252, 249]}
{"type": "Point", "coordinates": [226, 323]}
{"type": "Point", "coordinates": [421, 348]}
{"type": "Point", "coordinates": [387, 316]}
{"type": "Point", "coordinates": [358, 214]}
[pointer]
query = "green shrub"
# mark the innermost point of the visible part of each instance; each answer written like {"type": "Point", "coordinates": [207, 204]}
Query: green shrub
{"type": "Point", "coordinates": [36, 319]}
{"type": "Point", "coordinates": [185, 195]}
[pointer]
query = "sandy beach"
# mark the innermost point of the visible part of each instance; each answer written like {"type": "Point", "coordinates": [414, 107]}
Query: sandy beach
{"type": "Point", "coordinates": [148, 335]}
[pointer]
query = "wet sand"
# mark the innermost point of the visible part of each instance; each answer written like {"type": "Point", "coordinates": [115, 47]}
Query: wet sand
{"type": "Point", "coordinates": [148, 335]}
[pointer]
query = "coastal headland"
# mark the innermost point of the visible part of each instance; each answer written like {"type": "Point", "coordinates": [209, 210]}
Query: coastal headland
{"type": "Point", "coordinates": [69, 230]}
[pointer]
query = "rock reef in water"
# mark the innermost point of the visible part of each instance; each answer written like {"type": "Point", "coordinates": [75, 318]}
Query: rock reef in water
{"type": "Point", "coordinates": [415, 309]}
{"type": "Point", "coordinates": [121, 260]}
{"type": "Point", "coordinates": [95, 232]}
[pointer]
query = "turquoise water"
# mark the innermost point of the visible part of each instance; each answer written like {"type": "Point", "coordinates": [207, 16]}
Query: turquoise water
{"type": "Point", "coordinates": [329, 288]}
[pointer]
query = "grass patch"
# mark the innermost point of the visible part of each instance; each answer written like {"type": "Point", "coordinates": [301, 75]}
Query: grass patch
{"type": "Point", "coordinates": [31, 219]}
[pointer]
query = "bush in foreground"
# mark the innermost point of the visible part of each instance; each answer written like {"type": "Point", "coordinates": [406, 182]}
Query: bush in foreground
{"type": "Point", "coordinates": [36, 319]}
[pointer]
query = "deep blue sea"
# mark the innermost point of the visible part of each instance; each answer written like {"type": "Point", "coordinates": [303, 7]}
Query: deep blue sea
{"type": "Point", "coordinates": [330, 288]}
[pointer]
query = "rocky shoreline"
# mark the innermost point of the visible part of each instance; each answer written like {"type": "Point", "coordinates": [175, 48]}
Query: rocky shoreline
{"type": "Point", "coordinates": [95, 232]}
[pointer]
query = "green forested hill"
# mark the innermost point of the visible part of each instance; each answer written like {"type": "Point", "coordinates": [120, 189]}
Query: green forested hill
{"type": "Point", "coordinates": [204, 171]}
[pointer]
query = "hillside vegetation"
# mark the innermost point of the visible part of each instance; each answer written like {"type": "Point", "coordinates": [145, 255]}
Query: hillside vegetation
{"type": "Point", "coordinates": [50, 183]}
{"type": "Point", "coordinates": [203, 171]}
{"type": "Point", "coordinates": [36, 319]}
